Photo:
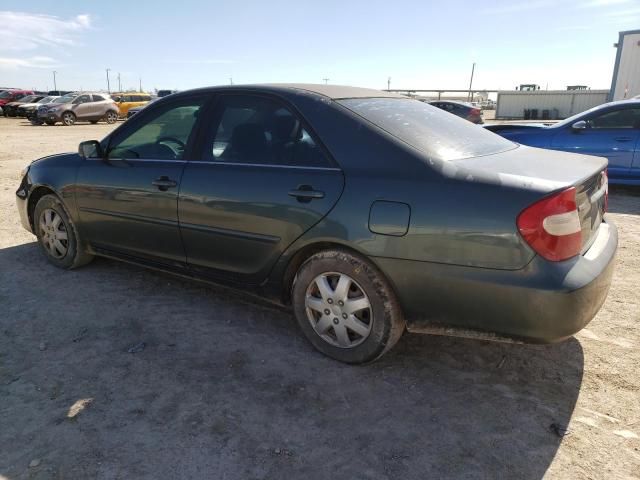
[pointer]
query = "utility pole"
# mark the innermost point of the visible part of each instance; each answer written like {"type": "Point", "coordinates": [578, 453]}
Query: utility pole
{"type": "Point", "coordinates": [108, 85]}
{"type": "Point", "coordinates": [119, 84]}
{"type": "Point", "coordinates": [230, 80]}
{"type": "Point", "coordinates": [326, 80]}
{"type": "Point", "coordinates": [55, 87]}
{"type": "Point", "coordinates": [388, 84]}
{"type": "Point", "coordinates": [473, 68]}
{"type": "Point", "coordinates": [140, 81]}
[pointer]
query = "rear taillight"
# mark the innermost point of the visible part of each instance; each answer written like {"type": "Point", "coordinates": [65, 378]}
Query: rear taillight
{"type": "Point", "coordinates": [551, 226]}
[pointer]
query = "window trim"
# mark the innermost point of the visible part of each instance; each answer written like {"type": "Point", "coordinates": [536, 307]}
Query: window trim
{"type": "Point", "coordinates": [215, 114]}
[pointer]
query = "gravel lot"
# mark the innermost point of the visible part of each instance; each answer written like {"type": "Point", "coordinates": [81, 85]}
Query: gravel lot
{"type": "Point", "coordinates": [227, 388]}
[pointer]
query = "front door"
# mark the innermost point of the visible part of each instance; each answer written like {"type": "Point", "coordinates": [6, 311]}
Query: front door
{"type": "Point", "coordinates": [128, 200]}
{"type": "Point", "coordinates": [612, 134]}
{"type": "Point", "coordinates": [261, 182]}
{"type": "Point", "coordinates": [82, 107]}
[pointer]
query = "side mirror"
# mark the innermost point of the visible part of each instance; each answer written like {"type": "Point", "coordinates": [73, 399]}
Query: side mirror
{"type": "Point", "coordinates": [90, 149]}
{"type": "Point", "coordinates": [580, 125]}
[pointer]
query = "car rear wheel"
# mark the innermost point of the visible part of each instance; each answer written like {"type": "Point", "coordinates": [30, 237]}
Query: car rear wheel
{"type": "Point", "coordinates": [68, 119]}
{"type": "Point", "coordinates": [345, 307]}
{"type": "Point", "coordinates": [57, 235]}
{"type": "Point", "coordinates": [112, 117]}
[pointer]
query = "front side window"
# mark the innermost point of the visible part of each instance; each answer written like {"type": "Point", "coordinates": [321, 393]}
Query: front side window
{"type": "Point", "coordinates": [164, 136]}
{"type": "Point", "coordinates": [82, 99]}
{"type": "Point", "coordinates": [624, 118]}
{"type": "Point", "coordinates": [433, 131]}
{"type": "Point", "coordinates": [257, 130]}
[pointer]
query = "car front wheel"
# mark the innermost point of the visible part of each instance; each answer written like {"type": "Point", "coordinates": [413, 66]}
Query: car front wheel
{"type": "Point", "coordinates": [345, 307]}
{"type": "Point", "coordinates": [68, 119]}
{"type": "Point", "coordinates": [57, 235]}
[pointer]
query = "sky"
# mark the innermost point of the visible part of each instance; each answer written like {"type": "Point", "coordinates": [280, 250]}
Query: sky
{"type": "Point", "coordinates": [420, 44]}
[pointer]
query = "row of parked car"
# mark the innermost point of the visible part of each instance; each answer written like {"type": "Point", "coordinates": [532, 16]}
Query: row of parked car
{"type": "Point", "coordinates": [69, 107]}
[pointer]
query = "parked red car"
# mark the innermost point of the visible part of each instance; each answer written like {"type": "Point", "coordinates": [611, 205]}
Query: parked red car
{"type": "Point", "coordinates": [9, 96]}
{"type": "Point", "coordinates": [461, 109]}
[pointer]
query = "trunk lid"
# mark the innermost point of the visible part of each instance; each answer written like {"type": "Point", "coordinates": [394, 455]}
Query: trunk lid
{"type": "Point", "coordinates": [545, 171]}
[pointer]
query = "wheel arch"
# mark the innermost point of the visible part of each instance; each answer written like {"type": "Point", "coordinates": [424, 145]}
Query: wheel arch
{"type": "Point", "coordinates": [305, 252]}
{"type": "Point", "coordinates": [35, 196]}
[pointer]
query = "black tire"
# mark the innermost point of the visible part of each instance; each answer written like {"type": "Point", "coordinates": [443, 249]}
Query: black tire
{"type": "Point", "coordinates": [35, 121]}
{"type": "Point", "coordinates": [50, 122]}
{"type": "Point", "coordinates": [68, 118]}
{"type": "Point", "coordinates": [111, 117]}
{"type": "Point", "coordinates": [93, 122]}
{"type": "Point", "coordinates": [75, 255]}
{"type": "Point", "coordinates": [386, 322]}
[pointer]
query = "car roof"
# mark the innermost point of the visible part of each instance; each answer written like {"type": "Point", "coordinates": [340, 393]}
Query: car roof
{"type": "Point", "coordinates": [334, 92]}
{"type": "Point", "coordinates": [635, 101]}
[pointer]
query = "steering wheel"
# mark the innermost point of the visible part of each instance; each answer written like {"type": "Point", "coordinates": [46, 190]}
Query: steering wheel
{"type": "Point", "coordinates": [166, 141]}
{"type": "Point", "coordinates": [171, 140]}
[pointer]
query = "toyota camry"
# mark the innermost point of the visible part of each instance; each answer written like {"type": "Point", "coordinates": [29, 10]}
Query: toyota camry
{"type": "Point", "coordinates": [369, 213]}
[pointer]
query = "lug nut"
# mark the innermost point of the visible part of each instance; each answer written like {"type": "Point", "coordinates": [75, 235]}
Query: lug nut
{"type": "Point", "coordinates": [327, 311]}
{"type": "Point", "coordinates": [330, 301]}
{"type": "Point", "coordinates": [344, 315]}
{"type": "Point", "coordinates": [336, 321]}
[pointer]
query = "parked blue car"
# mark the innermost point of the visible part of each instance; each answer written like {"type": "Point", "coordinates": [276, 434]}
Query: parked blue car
{"type": "Point", "coordinates": [611, 130]}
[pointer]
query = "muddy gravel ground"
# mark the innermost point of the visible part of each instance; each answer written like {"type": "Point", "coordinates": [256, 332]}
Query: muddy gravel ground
{"type": "Point", "coordinates": [227, 388]}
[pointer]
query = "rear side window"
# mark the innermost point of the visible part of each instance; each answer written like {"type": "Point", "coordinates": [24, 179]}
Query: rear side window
{"type": "Point", "coordinates": [436, 133]}
{"type": "Point", "coordinates": [257, 130]}
{"type": "Point", "coordinates": [98, 98]}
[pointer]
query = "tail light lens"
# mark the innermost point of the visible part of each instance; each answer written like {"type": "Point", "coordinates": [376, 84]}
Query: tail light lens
{"type": "Point", "coordinates": [552, 227]}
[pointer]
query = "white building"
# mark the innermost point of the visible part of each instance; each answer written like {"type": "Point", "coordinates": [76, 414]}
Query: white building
{"type": "Point", "coordinates": [626, 72]}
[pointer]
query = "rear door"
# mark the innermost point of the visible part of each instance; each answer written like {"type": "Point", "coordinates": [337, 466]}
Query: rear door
{"type": "Point", "coordinates": [262, 180]}
{"type": "Point", "coordinates": [612, 134]}
{"type": "Point", "coordinates": [128, 201]}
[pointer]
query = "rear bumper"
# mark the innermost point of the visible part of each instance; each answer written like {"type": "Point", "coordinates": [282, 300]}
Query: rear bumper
{"type": "Point", "coordinates": [542, 303]}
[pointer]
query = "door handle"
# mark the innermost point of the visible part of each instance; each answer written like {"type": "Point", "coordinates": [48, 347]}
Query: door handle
{"type": "Point", "coordinates": [164, 183]}
{"type": "Point", "coordinates": [623, 139]}
{"type": "Point", "coordinates": [306, 193]}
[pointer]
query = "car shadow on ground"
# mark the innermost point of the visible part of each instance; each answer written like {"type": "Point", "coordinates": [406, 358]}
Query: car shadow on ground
{"type": "Point", "coordinates": [624, 199]}
{"type": "Point", "coordinates": [226, 387]}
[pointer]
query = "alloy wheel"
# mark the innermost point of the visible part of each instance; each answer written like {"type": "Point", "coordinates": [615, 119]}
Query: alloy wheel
{"type": "Point", "coordinates": [111, 117]}
{"type": "Point", "coordinates": [339, 310]}
{"type": "Point", "coordinates": [54, 233]}
{"type": "Point", "coordinates": [68, 119]}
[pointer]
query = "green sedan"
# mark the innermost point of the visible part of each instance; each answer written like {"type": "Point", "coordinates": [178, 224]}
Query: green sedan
{"type": "Point", "coordinates": [369, 213]}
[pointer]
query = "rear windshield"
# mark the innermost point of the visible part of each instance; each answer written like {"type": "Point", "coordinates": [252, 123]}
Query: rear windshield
{"type": "Point", "coordinates": [437, 133]}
